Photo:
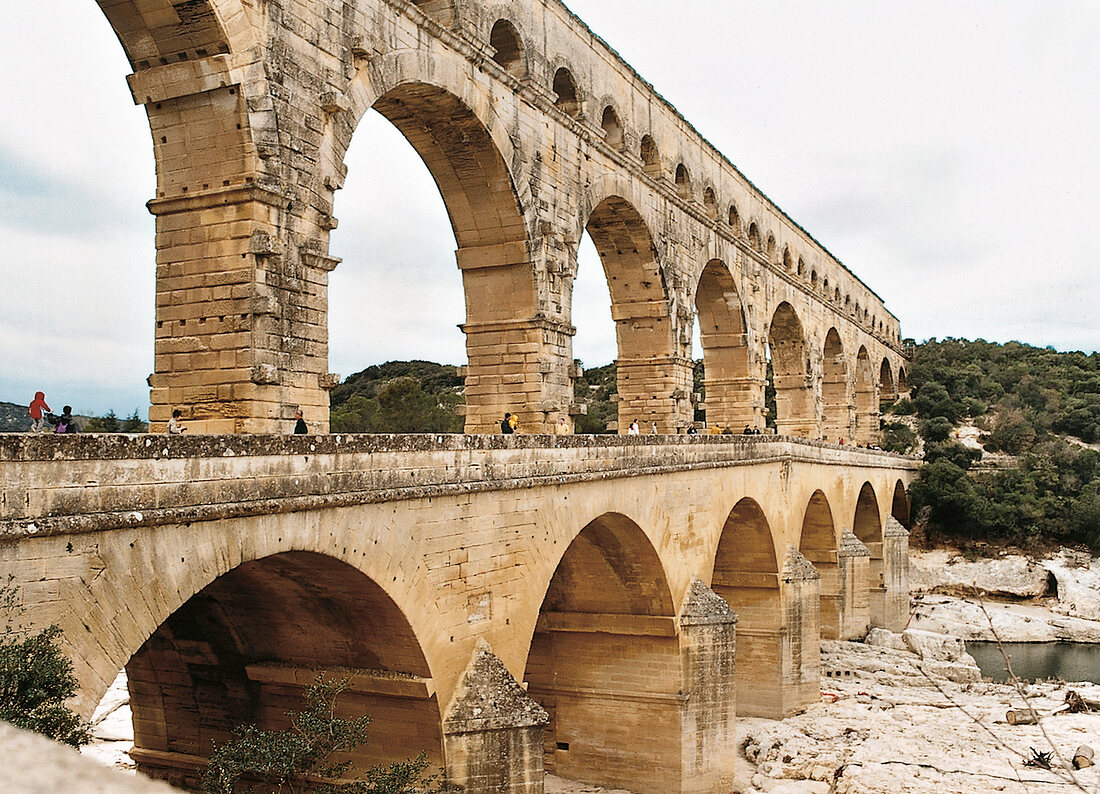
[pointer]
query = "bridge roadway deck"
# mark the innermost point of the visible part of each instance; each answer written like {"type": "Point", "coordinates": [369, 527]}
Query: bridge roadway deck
{"type": "Point", "coordinates": [208, 566]}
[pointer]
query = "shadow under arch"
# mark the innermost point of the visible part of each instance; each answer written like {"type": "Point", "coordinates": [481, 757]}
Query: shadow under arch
{"type": "Point", "coordinates": [899, 507]}
{"type": "Point", "coordinates": [734, 398]}
{"type": "Point", "coordinates": [468, 159]}
{"type": "Point", "coordinates": [867, 526]}
{"type": "Point", "coordinates": [243, 648]}
{"type": "Point", "coordinates": [836, 396]}
{"type": "Point", "coordinates": [654, 379]}
{"type": "Point", "coordinates": [777, 630]}
{"type": "Point", "coordinates": [158, 32]}
{"type": "Point", "coordinates": [887, 388]}
{"type": "Point", "coordinates": [867, 411]}
{"type": "Point", "coordinates": [605, 661]}
{"type": "Point", "coordinates": [794, 400]}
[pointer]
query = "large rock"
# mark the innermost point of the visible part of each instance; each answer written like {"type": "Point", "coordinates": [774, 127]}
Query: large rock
{"type": "Point", "coordinates": [1078, 583]}
{"type": "Point", "coordinates": [936, 647]}
{"type": "Point", "coordinates": [34, 764]}
{"type": "Point", "coordinates": [1009, 577]}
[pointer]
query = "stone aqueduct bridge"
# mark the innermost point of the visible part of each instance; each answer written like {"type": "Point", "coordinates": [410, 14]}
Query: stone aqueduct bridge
{"type": "Point", "coordinates": [535, 131]}
{"type": "Point", "coordinates": [223, 571]}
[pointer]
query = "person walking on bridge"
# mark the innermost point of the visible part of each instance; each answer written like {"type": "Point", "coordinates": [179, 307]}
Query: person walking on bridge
{"type": "Point", "coordinates": [508, 424]}
{"type": "Point", "coordinates": [38, 404]}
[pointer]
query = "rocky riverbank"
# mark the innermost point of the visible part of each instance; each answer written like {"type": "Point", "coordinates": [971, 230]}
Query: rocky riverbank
{"type": "Point", "coordinates": [1016, 598]}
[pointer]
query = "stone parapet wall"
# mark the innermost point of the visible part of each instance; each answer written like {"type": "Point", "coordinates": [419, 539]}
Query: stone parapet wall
{"type": "Point", "coordinates": [87, 483]}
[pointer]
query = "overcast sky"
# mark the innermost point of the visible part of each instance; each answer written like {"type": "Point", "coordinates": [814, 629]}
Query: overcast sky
{"type": "Point", "coordinates": [946, 152]}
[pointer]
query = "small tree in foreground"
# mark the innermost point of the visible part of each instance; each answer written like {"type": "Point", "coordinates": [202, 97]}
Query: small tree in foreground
{"type": "Point", "coordinates": [36, 678]}
{"type": "Point", "coordinates": [297, 759]}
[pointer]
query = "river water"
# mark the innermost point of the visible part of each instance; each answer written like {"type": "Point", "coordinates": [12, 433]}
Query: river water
{"type": "Point", "coordinates": [1068, 661]}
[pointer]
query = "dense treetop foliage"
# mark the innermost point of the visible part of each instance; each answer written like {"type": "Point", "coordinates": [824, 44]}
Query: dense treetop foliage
{"type": "Point", "coordinates": [399, 397]}
{"type": "Point", "coordinates": [1028, 400]}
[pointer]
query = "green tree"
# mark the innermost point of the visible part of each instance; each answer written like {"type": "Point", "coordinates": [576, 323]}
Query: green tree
{"type": "Point", "coordinates": [134, 424]}
{"type": "Point", "coordinates": [278, 761]}
{"type": "Point", "coordinates": [36, 678]}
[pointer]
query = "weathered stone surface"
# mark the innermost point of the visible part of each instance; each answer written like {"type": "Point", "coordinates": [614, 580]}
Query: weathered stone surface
{"type": "Point", "coordinates": [937, 647]}
{"type": "Point", "coordinates": [488, 698]}
{"type": "Point", "coordinates": [1011, 576]}
{"type": "Point", "coordinates": [703, 606]}
{"type": "Point", "coordinates": [253, 110]}
{"type": "Point", "coordinates": [34, 764]}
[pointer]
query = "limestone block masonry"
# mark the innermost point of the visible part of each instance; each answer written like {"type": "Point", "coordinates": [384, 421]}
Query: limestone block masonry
{"type": "Point", "coordinates": [535, 131]}
{"type": "Point", "coordinates": [505, 604]}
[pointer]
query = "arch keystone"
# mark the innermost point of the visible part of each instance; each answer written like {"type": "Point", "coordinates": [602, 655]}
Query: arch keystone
{"type": "Point", "coordinates": [492, 731]}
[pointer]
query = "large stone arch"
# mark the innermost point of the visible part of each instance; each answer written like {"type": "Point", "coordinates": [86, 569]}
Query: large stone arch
{"type": "Point", "coordinates": [866, 401]}
{"type": "Point", "coordinates": [899, 506]}
{"type": "Point", "coordinates": [244, 647]}
{"type": "Point", "coordinates": [842, 563]}
{"type": "Point", "coordinates": [887, 388]}
{"type": "Point", "coordinates": [796, 412]}
{"type": "Point", "coordinates": [734, 397]}
{"type": "Point", "coordinates": [867, 526]}
{"type": "Point", "coordinates": [607, 610]}
{"type": "Point", "coordinates": [448, 118]}
{"type": "Point", "coordinates": [654, 375]}
{"type": "Point", "coordinates": [777, 609]}
{"type": "Point", "coordinates": [836, 391]}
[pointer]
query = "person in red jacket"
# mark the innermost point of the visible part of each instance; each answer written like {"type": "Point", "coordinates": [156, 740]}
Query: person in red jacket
{"type": "Point", "coordinates": [35, 411]}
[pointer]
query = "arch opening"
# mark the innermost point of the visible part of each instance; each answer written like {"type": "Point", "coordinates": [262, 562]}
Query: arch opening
{"type": "Point", "coordinates": [565, 91]}
{"type": "Point", "coordinates": [794, 403]}
{"type": "Point", "coordinates": [887, 388]}
{"type": "Point", "coordinates": [648, 371]}
{"type": "Point", "coordinates": [710, 202]}
{"type": "Point", "coordinates": [244, 648]}
{"type": "Point", "coordinates": [899, 507]}
{"type": "Point", "coordinates": [836, 408]}
{"type": "Point", "coordinates": [867, 411]}
{"type": "Point", "coordinates": [608, 610]}
{"type": "Point", "coordinates": [818, 544]}
{"type": "Point", "coordinates": [735, 220]}
{"type": "Point", "coordinates": [508, 47]}
{"type": "Point", "coordinates": [651, 157]}
{"type": "Point", "coordinates": [612, 128]}
{"type": "Point", "coordinates": [469, 174]}
{"type": "Point", "coordinates": [683, 182]}
{"type": "Point", "coordinates": [731, 395]}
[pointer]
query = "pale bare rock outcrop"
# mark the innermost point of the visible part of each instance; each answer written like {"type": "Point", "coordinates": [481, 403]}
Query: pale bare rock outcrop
{"type": "Point", "coordinates": [1067, 611]}
{"type": "Point", "coordinates": [884, 727]}
{"type": "Point", "coordinates": [35, 765]}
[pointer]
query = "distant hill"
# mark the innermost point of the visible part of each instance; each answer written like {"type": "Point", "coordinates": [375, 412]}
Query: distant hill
{"type": "Point", "coordinates": [14, 419]}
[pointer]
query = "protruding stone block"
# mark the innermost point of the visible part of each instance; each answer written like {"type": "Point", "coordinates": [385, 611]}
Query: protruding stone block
{"type": "Point", "coordinates": [493, 732]}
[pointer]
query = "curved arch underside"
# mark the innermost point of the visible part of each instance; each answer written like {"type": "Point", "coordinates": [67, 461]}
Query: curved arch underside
{"type": "Point", "coordinates": [243, 649]}
{"type": "Point", "coordinates": [472, 177]}
{"type": "Point", "coordinates": [607, 611]}
{"type": "Point", "coordinates": [158, 32]}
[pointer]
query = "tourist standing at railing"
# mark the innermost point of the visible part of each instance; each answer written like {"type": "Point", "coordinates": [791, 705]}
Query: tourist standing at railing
{"type": "Point", "coordinates": [633, 429]}
{"type": "Point", "coordinates": [174, 426]}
